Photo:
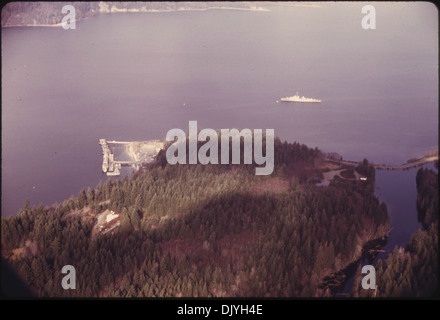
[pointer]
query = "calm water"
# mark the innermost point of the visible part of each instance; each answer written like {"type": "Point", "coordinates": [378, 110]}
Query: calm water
{"type": "Point", "coordinates": [399, 191]}
{"type": "Point", "coordinates": [127, 76]}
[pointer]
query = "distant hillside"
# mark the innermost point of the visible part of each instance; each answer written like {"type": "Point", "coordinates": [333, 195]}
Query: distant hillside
{"type": "Point", "coordinates": [49, 13]}
{"type": "Point", "coordinates": [43, 13]}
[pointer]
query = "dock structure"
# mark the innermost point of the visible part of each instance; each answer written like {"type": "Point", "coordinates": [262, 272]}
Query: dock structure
{"type": "Point", "coordinates": [105, 155]}
{"type": "Point", "coordinates": [430, 156]}
{"type": "Point", "coordinates": [140, 152]}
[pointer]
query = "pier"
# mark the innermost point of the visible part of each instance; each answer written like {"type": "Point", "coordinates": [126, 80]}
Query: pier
{"type": "Point", "coordinates": [140, 152]}
{"type": "Point", "coordinates": [430, 156]}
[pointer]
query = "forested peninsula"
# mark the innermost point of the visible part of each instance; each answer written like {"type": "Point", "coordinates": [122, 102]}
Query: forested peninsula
{"type": "Point", "coordinates": [200, 231]}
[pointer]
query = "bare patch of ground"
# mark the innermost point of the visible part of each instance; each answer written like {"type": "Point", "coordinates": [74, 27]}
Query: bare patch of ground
{"type": "Point", "coordinates": [30, 248]}
{"type": "Point", "coordinates": [106, 222]}
{"type": "Point", "coordinates": [86, 211]}
{"type": "Point", "coordinates": [329, 175]}
{"type": "Point", "coordinates": [326, 165]}
{"type": "Point", "coordinates": [18, 253]}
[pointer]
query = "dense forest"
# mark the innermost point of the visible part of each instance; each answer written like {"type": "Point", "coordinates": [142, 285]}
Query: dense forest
{"type": "Point", "coordinates": [200, 231]}
{"type": "Point", "coordinates": [413, 271]}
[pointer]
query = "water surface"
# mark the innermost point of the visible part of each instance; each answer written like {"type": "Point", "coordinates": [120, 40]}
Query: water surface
{"type": "Point", "coordinates": [127, 77]}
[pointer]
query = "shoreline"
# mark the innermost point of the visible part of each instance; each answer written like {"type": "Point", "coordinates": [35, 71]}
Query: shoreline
{"type": "Point", "coordinates": [338, 280]}
{"type": "Point", "coordinates": [33, 25]}
{"type": "Point", "coordinates": [114, 10]}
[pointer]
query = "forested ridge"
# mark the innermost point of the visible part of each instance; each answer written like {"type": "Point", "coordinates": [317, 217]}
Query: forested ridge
{"type": "Point", "coordinates": [200, 231]}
